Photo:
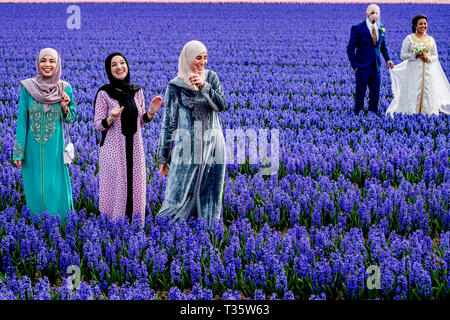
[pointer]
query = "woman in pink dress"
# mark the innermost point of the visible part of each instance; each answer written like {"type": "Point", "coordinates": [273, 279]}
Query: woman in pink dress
{"type": "Point", "coordinates": [119, 115]}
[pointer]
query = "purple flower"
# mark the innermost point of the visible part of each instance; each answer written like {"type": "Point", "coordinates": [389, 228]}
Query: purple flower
{"type": "Point", "coordinates": [401, 292]}
{"type": "Point", "coordinates": [321, 275]}
{"type": "Point", "coordinates": [42, 289]}
{"type": "Point", "coordinates": [84, 292]}
{"type": "Point", "coordinates": [231, 295]}
{"type": "Point", "coordinates": [288, 295]}
{"type": "Point", "coordinates": [176, 294]}
{"type": "Point", "coordinates": [320, 296]}
{"type": "Point", "coordinates": [6, 293]}
{"type": "Point", "coordinates": [175, 271]}
{"type": "Point", "coordinates": [259, 295]}
{"type": "Point", "coordinates": [199, 293]}
{"type": "Point", "coordinates": [113, 292]}
{"type": "Point", "coordinates": [420, 278]}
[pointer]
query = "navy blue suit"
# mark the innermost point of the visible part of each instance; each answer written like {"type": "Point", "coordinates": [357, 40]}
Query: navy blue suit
{"type": "Point", "coordinates": [367, 60]}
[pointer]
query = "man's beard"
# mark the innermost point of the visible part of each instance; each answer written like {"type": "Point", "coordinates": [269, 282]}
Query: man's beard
{"type": "Point", "coordinates": [371, 19]}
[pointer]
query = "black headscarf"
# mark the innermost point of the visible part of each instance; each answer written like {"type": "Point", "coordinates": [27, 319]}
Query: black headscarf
{"type": "Point", "coordinates": [122, 91]}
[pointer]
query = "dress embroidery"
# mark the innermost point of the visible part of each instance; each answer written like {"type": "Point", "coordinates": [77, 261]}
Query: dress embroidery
{"type": "Point", "coordinates": [52, 115]}
{"type": "Point", "coordinates": [426, 41]}
{"type": "Point", "coordinates": [36, 115]}
{"type": "Point", "coordinates": [18, 152]}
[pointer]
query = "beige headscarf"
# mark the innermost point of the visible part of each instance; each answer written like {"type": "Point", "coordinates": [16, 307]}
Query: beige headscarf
{"type": "Point", "coordinates": [46, 90]}
{"type": "Point", "coordinates": [190, 51]}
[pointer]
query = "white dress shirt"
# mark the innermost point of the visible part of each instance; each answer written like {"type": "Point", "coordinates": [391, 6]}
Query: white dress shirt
{"type": "Point", "coordinates": [370, 26]}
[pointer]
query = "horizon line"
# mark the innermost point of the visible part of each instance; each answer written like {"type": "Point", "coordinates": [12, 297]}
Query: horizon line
{"type": "Point", "coordinates": [237, 1]}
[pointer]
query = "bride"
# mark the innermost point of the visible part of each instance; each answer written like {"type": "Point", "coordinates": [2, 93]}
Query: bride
{"type": "Point", "coordinates": [419, 84]}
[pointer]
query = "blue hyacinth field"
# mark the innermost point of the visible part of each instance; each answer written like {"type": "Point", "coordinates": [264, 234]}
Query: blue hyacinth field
{"type": "Point", "coordinates": [354, 199]}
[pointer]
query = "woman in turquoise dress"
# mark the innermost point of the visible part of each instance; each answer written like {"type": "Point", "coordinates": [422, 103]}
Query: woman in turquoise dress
{"type": "Point", "coordinates": [39, 145]}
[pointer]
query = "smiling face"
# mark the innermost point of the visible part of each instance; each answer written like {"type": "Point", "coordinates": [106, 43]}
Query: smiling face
{"type": "Point", "coordinates": [119, 68]}
{"type": "Point", "coordinates": [199, 63]}
{"type": "Point", "coordinates": [373, 13]}
{"type": "Point", "coordinates": [422, 26]}
{"type": "Point", "coordinates": [47, 65]}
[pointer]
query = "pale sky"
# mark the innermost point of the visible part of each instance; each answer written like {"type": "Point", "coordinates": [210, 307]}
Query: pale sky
{"type": "Point", "coordinates": [255, 1]}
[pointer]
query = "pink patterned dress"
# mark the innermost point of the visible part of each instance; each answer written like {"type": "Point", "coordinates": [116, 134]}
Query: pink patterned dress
{"type": "Point", "coordinates": [113, 165]}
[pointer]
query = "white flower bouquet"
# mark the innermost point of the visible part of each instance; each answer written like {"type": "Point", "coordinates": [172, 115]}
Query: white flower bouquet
{"type": "Point", "coordinates": [419, 48]}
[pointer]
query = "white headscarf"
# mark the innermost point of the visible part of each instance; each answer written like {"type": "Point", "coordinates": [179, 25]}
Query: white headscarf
{"type": "Point", "coordinates": [190, 50]}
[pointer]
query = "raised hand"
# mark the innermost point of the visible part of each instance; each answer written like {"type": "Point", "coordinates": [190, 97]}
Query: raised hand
{"type": "Point", "coordinates": [65, 102]}
{"type": "Point", "coordinates": [196, 80]}
{"type": "Point", "coordinates": [164, 169]}
{"type": "Point", "coordinates": [114, 114]}
{"type": "Point", "coordinates": [155, 104]}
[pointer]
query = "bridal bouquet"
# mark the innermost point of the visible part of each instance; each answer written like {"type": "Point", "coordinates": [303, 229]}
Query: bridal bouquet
{"type": "Point", "coordinates": [419, 48]}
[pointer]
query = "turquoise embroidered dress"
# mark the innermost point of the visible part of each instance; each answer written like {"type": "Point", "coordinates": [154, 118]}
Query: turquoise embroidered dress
{"type": "Point", "coordinates": [40, 144]}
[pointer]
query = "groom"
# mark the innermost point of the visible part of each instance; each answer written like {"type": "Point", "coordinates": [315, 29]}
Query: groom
{"type": "Point", "coordinates": [368, 39]}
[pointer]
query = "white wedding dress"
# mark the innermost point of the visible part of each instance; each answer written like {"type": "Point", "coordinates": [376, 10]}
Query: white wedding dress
{"type": "Point", "coordinates": [419, 87]}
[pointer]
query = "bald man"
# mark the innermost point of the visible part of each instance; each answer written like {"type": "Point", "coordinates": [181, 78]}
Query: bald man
{"type": "Point", "coordinates": [367, 41]}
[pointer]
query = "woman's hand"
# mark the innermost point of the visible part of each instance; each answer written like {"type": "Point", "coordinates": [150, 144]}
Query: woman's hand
{"type": "Point", "coordinates": [114, 114]}
{"type": "Point", "coordinates": [65, 102]}
{"type": "Point", "coordinates": [196, 80]}
{"type": "Point", "coordinates": [423, 57]}
{"type": "Point", "coordinates": [18, 163]}
{"type": "Point", "coordinates": [163, 169]}
{"type": "Point", "coordinates": [155, 104]}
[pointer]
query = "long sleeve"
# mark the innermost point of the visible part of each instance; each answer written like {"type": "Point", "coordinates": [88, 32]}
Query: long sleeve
{"type": "Point", "coordinates": [384, 50]}
{"type": "Point", "coordinates": [72, 114]}
{"type": "Point", "coordinates": [144, 119]}
{"type": "Point", "coordinates": [21, 126]}
{"type": "Point", "coordinates": [214, 94]}
{"type": "Point", "coordinates": [351, 46]}
{"type": "Point", "coordinates": [169, 125]}
{"type": "Point", "coordinates": [101, 112]}
{"type": "Point", "coordinates": [433, 55]}
{"type": "Point", "coordinates": [406, 53]}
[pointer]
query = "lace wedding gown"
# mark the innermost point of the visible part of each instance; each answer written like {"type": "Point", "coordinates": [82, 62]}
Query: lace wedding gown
{"type": "Point", "coordinates": [418, 86]}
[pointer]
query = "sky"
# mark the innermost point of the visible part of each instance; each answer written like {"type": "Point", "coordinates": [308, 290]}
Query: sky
{"type": "Point", "coordinates": [259, 1]}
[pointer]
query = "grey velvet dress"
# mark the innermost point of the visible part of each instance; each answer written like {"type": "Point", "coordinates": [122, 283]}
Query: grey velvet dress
{"type": "Point", "coordinates": [192, 142]}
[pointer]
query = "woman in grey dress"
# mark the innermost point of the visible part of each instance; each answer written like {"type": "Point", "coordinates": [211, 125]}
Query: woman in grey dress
{"type": "Point", "coordinates": [191, 148]}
